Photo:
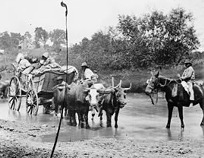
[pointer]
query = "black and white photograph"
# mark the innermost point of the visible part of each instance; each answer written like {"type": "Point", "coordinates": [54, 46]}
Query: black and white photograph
{"type": "Point", "coordinates": [101, 79]}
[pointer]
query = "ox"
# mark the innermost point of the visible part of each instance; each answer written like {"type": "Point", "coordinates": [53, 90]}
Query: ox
{"type": "Point", "coordinates": [76, 102]}
{"type": "Point", "coordinates": [77, 98]}
{"type": "Point", "coordinates": [59, 92]}
{"type": "Point", "coordinates": [113, 102]}
{"type": "Point", "coordinates": [94, 96]}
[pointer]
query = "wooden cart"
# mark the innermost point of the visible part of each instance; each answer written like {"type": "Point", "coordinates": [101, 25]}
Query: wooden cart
{"type": "Point", "coordinates": [36, 88]}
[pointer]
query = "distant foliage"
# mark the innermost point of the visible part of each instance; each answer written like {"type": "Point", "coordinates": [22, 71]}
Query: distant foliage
{"type": "Point", "coordinates": [152, 40]}
{"type": "Point", "coordinates": [141, 42]}
{"type": "Point", "coordinates": [41, 37]}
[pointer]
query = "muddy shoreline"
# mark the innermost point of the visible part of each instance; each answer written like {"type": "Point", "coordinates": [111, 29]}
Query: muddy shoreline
{"type": "Point", "coordinates": [22, 139]}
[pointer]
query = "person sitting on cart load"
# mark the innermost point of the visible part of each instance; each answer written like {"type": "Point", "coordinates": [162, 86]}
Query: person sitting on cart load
{"type": "Point", "coordinates": [46, 63]}
{"type": "Point", "coordinates": [23, 64]}
{"type": "Point", "coordinates": [48, 60]}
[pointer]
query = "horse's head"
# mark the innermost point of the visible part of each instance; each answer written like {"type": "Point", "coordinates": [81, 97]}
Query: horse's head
{"type": "Point", "coordinates": [152, 83]}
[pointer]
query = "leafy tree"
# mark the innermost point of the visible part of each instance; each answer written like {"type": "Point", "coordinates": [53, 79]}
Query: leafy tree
{"type": "Point", "coordinates": [9, 41]}
{"type": "Point", "coordinates": [157, 38]}
{"type": "Point", "coordinates": [41, 36]}
{"type": "Point", "coordinates": [15, 39]}
{"type": "Point", "coordinates": [5, 40]}
{"type": "Point", "coordinates": [27, 38]}
{"type": "Point", "coordinates": [58, 37]}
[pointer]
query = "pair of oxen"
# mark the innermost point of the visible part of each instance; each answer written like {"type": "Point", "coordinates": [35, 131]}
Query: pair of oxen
{"type": "Point", "coordinates": [81, 97]}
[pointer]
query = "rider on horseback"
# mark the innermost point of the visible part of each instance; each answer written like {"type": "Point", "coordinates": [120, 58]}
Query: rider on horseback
{"type": "Point", "coordinates": [189, 77]}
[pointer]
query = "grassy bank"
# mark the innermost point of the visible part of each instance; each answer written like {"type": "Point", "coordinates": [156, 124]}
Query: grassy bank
{"type": "Point", "coordinates": [138, 78]}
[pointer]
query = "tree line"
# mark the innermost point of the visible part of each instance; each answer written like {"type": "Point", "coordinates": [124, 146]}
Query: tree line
{"type": "Point", "coordinates": [154, 39]}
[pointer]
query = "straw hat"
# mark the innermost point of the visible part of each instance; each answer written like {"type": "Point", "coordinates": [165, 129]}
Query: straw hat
{"type": "Point", "coordinates": [84, 64]}
{"type": "Point", "coordinates": [187, 61]}
{"type": "Point", "coordinates": [46, 55]}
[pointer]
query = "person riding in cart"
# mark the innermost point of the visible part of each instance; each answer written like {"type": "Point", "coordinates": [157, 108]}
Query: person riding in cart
{"type": "Point", "coordinates": [48, 60]}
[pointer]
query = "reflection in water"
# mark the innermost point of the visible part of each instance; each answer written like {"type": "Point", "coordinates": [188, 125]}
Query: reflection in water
{"type": "Point", "coordinates": [70, 134]}
{"type": "Point", "coordinates": [175, 136]}
{"type": "Point", "coordinates": [16, 115]}
{"type": "Point", "coordinates": [169, 134]}
{"type": "Point", "coordinates": [138, 119]}
{"type": "Point", "coordinates": [203, 130]}
{"type": "Point", "coordinates": [180, 136]}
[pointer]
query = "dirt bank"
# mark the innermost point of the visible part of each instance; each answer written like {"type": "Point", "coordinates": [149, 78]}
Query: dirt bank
{"type": "Point", "coordinates": [23, 140]}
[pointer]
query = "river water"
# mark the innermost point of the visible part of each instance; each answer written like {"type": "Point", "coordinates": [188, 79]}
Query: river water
{"type": "Point", "coordinates": [139, 119]}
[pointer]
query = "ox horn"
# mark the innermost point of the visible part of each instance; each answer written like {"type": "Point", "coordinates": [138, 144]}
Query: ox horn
{"type": "Point", "coordinates": [112, 80]}
{"type": "Point", "coordinates": [119, 84]}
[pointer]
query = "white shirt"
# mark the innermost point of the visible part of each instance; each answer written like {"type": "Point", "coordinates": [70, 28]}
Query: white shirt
{"type": "Point", "coordinates": [24, 63]}
{"type": "Point", "coordinates": [188, 73]}
{"type": "Point", "coordinates": [88, 73]}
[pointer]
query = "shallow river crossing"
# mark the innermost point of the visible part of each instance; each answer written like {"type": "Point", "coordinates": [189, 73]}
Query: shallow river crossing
{"type": "Point", "coordinates": [139, 119]}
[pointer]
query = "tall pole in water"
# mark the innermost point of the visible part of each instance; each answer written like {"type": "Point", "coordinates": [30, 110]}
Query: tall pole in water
{"type": "Point", "coordinates": [66, 13]}
{"type": "Point", "coordinates": [60, 122]}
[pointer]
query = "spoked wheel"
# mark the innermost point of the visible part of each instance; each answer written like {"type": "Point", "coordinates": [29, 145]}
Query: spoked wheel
{"type": "Point", "coordinates": [32, 102]}
{"type": "Point", "coordinates": [14, 94]}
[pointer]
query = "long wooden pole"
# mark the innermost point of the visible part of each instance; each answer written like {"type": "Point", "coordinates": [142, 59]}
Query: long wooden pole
{"type": "Point", "coordinates": [60, 122]}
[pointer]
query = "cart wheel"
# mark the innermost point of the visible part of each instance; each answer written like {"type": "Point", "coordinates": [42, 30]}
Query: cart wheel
{"type": "Point", "coordinates": [14, 94]}
{"type": "Point", "coordinates": [32, 102]}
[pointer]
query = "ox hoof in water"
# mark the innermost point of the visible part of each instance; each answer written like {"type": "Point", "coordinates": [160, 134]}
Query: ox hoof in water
{"type": "Point", "coordinates": [109, 125]}
{"type": "Point", "coordinates": [168, 126]}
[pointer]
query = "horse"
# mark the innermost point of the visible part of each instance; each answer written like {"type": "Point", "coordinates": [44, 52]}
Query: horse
{"type": "Point", "coordinates": [176, 95]}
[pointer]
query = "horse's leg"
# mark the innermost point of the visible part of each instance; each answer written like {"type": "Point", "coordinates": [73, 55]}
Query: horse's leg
{"type": "Point", "coordinates": [170, 110]}
{"type": "Point", "coordinates": [180, 110]}
{"type": "Point", "coordinates": [116, 117]}
{"type": "Point", "coordinates": [202, 107]}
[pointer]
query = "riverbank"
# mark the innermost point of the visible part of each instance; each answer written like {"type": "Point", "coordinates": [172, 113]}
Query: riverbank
{"type": "Point", "coordinates": [20, 139]}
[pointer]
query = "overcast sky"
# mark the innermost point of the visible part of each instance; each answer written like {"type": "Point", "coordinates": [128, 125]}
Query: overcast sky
{"type": "Point", "coordinates": [86, 17]}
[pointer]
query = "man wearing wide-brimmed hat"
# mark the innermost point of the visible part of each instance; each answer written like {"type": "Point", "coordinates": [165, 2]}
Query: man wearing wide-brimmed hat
{"type": "Point", "coordinates": [189, 77]}
{"type": "Point", "coordinates": [87, 73]}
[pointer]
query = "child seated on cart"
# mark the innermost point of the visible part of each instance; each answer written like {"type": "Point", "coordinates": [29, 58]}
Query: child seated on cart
{"type": "Point", "coordinates": [23, 65]}
{"type": "Point", "coordinates": [46, 63]}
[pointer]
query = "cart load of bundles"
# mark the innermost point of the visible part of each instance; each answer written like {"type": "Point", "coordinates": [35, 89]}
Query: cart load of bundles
{"type": "Point", "coordinates": [36, 67]}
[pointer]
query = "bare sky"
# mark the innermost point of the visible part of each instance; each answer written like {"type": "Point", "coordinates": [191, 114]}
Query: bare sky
{"type": "Point", "coordinates": [86, 17]}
